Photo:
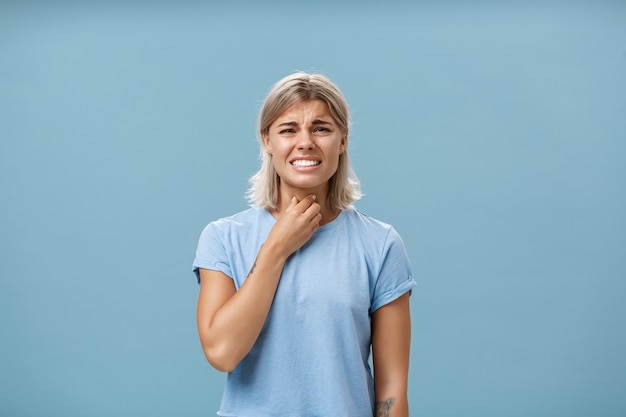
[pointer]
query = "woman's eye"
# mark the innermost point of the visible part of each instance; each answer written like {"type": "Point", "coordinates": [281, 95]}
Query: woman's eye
{"type": "Point", "coordinates": [284, 131]}
{"type": "Point", "coordinates": [321, 129]}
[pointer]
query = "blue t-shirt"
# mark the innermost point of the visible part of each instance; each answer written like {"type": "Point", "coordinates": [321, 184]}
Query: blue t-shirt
{"type": "Point", "coordinates": [311, 357]}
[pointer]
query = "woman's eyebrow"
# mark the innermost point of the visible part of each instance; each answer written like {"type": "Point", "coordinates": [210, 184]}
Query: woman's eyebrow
{"type": "Point", "coordinates": [287, 124]}
{"type": "Point", "coordinates": [320, 122]}
{"type": "Point", "coordinates": [314, 122]}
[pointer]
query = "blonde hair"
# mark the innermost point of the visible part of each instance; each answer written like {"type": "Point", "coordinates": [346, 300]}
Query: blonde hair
{"type": "Point", "coordinates": [344, 187]}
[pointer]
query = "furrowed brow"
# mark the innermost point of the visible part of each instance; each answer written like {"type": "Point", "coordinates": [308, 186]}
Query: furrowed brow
{"type": "Point", "coordinates": [320, 122]}
{"type": "Point", "coordinates": [287, 124]}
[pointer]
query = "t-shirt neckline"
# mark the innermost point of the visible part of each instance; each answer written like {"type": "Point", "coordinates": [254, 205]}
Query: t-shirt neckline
{"type": "Point", "coordinates": [328, 226]}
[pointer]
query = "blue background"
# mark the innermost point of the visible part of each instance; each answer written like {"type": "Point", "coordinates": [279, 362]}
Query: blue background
{"type": "Point", "coordinates": [492, 135]}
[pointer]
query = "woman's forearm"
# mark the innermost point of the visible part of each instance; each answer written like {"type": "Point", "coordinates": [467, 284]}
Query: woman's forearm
{"type": "Point", "coordinates": [236, 325]}
{"type": "Point", "coordinates": [392, 403]}
{"type": "Point", "coordinates": [391, 340]}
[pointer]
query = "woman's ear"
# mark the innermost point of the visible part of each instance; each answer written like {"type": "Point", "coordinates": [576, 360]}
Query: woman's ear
{"type": "Point", "coordinates": [266, 142]}
{"type": "Point", "coordinates": [344, 143]}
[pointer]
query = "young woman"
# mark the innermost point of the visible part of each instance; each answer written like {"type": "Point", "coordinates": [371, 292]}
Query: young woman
{"type": "Point", "coordinates": [295, 291]}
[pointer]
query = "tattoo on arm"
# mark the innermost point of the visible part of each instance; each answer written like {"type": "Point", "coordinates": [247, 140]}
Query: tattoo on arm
{"type": "Point", "coordinates": [383, 408]}
{"type": "Point", "coordinates": [253, 265]}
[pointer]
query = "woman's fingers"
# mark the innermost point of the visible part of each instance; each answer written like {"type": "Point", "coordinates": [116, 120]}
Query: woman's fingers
{"type": "Point", "coordinates": [297, 223]}
{"type": "Point", "coordinates": [308, 206]}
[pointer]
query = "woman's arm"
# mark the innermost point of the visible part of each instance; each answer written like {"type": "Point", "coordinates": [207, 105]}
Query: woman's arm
{"type": "Point", "coordinates": [391, 340]}
{"type": "Point", "coordinates": [229, 321]}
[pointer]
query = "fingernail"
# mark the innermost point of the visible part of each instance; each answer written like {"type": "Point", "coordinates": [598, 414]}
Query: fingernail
{"type": "Point", "coordinates": [314, 196]}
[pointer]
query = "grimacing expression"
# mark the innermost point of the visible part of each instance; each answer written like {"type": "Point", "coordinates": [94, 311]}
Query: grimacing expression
{"type": "Point", "coordinates": [305, 143]}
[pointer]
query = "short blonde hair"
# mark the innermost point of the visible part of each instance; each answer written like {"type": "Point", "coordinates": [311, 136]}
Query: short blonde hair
{"type": "Point", "coordinates": [344, 187]}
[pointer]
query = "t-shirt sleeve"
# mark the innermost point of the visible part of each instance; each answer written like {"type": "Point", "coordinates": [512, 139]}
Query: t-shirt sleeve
{"type": "Point", "coordinates": [211, 252]}
{"type": "Point", "coordinates": [395, 277]}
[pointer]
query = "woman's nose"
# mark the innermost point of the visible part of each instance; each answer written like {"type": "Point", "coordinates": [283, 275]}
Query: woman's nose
{"type": "Point", "coordinates": [305, 140]}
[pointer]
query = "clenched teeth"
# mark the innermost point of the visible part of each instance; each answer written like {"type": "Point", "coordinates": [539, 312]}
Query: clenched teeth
{"type": "Point", "coordinates": [304, 163]}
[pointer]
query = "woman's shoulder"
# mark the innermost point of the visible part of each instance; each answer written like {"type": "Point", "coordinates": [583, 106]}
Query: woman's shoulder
{"type": "Point", "coordinates": [360, 221]}
{"type": "Point", "coordinates": [252, 215]}
{"type": "Point", "coordinates": [373, 234]}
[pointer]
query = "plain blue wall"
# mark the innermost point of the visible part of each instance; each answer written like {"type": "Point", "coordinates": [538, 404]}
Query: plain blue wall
{"type": "Point", "coordinates": [493, 137]}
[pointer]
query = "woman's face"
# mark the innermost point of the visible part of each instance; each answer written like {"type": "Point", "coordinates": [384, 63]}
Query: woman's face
{"type": "Point", "coordinates": [305, 143]}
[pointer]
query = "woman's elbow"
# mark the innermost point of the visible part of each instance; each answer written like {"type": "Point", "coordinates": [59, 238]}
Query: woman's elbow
{"type": "Point", "coordinates": [221, 359]}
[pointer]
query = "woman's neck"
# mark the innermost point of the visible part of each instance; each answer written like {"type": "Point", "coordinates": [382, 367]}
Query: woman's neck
{"type": "Point", "coordinates": [321, 197]}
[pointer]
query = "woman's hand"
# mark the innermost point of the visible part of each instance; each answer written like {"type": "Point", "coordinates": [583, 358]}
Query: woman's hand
{"type": "Point", "coordinates": [295, 226]}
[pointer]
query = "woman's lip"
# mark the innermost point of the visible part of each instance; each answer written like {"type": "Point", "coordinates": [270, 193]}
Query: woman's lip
{"type": "Point", "coordinates": [306, 168]}
{"type": "Point", "coordinates": [304, 158]}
